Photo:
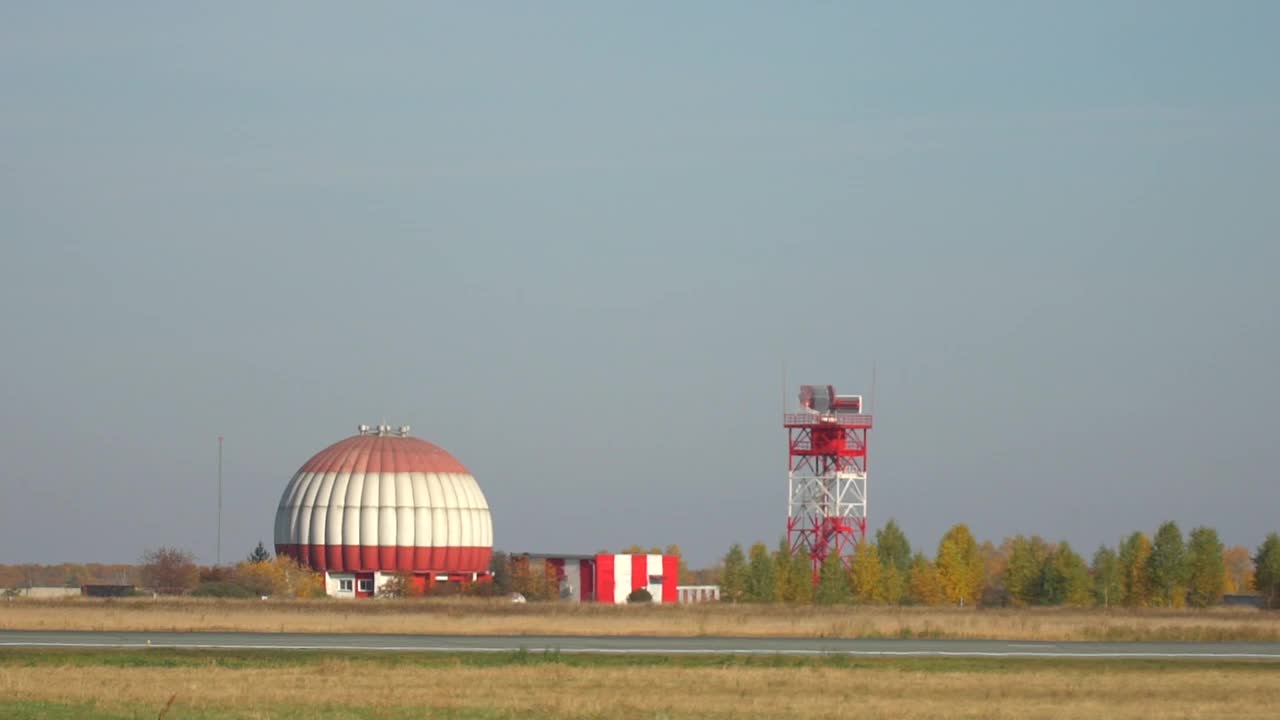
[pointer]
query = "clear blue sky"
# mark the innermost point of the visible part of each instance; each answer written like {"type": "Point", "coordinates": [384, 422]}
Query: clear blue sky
{"type": "Point", "coordinates": [575, 243]}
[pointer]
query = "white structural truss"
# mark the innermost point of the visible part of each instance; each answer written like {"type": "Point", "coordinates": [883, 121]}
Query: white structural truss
{"type": "Point", "coordinates": [814, 498]}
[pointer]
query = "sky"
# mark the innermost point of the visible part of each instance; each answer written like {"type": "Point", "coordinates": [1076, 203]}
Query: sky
{"type": "Point", "coordinates": [576, 244]}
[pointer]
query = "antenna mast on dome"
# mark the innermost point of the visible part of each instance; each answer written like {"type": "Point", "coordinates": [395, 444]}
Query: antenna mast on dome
{"type": "Point", "coordinates": [384, 430]}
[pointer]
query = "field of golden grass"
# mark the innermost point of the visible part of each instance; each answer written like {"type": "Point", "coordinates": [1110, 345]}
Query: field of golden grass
{"type": "Point", "coordinates": [493, 617]}
{"type": "Point", "coordinates": [364, 686]}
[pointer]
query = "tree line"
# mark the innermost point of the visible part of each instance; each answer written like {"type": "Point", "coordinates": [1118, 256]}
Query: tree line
{"type": "Point", "coordinates": [1164, 570]}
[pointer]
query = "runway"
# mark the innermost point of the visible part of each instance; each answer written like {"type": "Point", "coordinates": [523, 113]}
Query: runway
{"type": "Point", "coordinates": [637, 645]}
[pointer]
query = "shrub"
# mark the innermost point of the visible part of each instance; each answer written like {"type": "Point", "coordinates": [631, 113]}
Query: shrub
{"type": "Point", "coordinates": [221, 589]}
{"type": "Point", "coordinates": [640, 595]}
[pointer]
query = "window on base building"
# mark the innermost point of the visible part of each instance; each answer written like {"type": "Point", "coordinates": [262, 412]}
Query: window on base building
{"type": "Point", "coordinates": [366, 586]}
{"type": "Point", "coordinates": [344, 585]}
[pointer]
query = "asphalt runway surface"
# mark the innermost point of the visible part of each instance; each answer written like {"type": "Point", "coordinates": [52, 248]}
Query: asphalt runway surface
{"type": "Point", "coordinates": [637, 645]}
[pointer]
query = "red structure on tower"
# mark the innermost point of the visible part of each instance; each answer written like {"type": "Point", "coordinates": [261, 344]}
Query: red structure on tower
{"type": "Point", "coordinates": [826, 474]}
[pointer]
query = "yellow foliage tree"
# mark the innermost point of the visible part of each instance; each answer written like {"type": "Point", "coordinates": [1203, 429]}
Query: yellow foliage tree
{"type": "Point", "coordinates": [960, 566]}
{"type": "Point", "coordinates": [893, 585]}
{"type": "Point", "coordinates": [924, 587]}
{"type": "Point", "coordinates": [1135, 556]}
{"type": "Point", "coordinates": [865, 575]}
{"type": "Point", "coordinates": [1239, 569]}
{"type": "Point", "coordinates": [299, 581]}
{"type": "Point", "coordinates": [259, 578]}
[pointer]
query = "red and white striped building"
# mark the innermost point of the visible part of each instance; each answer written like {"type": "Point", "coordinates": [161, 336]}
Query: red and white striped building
{"type": "Point", "coordinates": [382, 502]}
{"type": "Point", "coordinates": [610, 578]}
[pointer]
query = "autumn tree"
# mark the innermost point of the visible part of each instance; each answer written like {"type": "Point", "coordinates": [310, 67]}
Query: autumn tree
{"type": "Point", "coordinates": [400, 585]}
{"type": "Point", "coordinates": [893, 584]}
{"type": "Point", "coordinates": [995, 561]}
{"type": "Point", "coordinates": [959, 566]}
{"type": "Point", "coordinates": [1168, 566]}
{"type": "Point", "coordinates": [1135, 552]}
{"type": "Point", "coordinates": [1239, 568]}
{"type": "Point", "coordinates": [300, 581]}
{"type": "Point", "coordinates": [1206, 573]}
{"type": "Point", "coordinates": [683, 574]}
{"type": "Point", "coordinates": [522, 580]}
{"type": "Point", "coordinates": [733, 585]}
{"type": "Point", "coordinates": [259, 578]}
{"type": "Point", "coordinates": [833, 581]}
{"type": "Point", "coordinates": [1108, 577]}
{"type": "Point", "coordinates": [531, 578]}
{"type": "Point", "coordinates": [761, 581]}
{"type": "Point", "coordinates": [1266, 570]}
{"type": "Point", "coordinates": [924, 585]}
{"type": "Point", "coordinates": [1023, 574]}
{"type": "Point", "coordinates": [169, 571]}
{"type": "Point", "coordinates": [865, 575]}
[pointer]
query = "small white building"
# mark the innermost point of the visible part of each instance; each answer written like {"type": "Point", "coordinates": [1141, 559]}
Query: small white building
{"type": "Point", "coordinates": [688, 594]}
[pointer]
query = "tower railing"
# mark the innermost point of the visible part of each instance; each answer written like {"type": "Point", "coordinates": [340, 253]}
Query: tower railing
{"type": "Point", "coordinates": [848, 420]}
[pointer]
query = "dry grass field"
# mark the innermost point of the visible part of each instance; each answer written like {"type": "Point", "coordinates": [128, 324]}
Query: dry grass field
{"type": "Point", "coordinates": [492, 617]}
{"type": "Point", "coordinates": [128, 684]}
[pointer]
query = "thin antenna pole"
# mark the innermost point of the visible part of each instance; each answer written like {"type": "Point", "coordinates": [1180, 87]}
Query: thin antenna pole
{"type": "Point", "coordinates": [873, 387]}
{"type": "Point", "coordinates": [219, 556]}
{"type": "Point", "coordinates": [784, 387]}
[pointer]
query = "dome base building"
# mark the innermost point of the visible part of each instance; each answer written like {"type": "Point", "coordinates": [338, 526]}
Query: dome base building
{"type": "Point", "coordinates": [382, 504]}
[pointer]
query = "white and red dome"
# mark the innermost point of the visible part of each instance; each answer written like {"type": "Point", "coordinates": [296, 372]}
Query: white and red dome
{"type": "Point", "coordinates": [384, 501]}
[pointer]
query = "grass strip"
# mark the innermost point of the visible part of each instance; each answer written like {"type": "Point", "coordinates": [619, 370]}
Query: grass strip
{"type": "Point", "coordinates": [267, 659]}
{"type": "Point", "coordinates": [54, 710]}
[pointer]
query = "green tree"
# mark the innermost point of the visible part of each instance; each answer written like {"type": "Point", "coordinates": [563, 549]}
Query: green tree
{"type": "Point", "coordinates": [960, 566]}
{"type": "Point", "coordinates": [893, 584]}
{"type": "Point", "coordinates": [761, 581]}
{"type": "Point", "coordinates": [865, 575]}
{"type": "Point", "coordinates": [1071, 577]}
{"type": "Point", "coordinates": [259, 554]}
{"type": "Point", "coordinates": [1168, 566]}
{"type": "Point", "coordinates": [1051, 586]}
{"type": "Point", "coordinates": [924, 586]}
{"type": "Point", "coordinates": [800, 571]}
{"type": "Point", "coordinates": [1266, 570]}
{"type": "Point", "coordinates": [792, 575]}
{"type": "Point", "coordinates": [1108, 578]}
{"type": "Point", "coordinates": [833, 581]}
{"type": "Point", "coordinates": [733, 586]}
{"type": "Point", "coordinates": [1206, 572]}
{"type": "Point", "coordinates": [781, 577]}
{"type": "Point", "coordinates": [1135, 552]}
{"type": "Point", "coordinates": [1023, 575]}
{"type": "Point", "coordinates": [893, 547]}
{"type": "Point", "coordinates": [500, 567]}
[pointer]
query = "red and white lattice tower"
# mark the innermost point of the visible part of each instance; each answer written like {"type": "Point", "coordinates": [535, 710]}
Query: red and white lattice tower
{"type": "Point", "coordinates": [826, 474]}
